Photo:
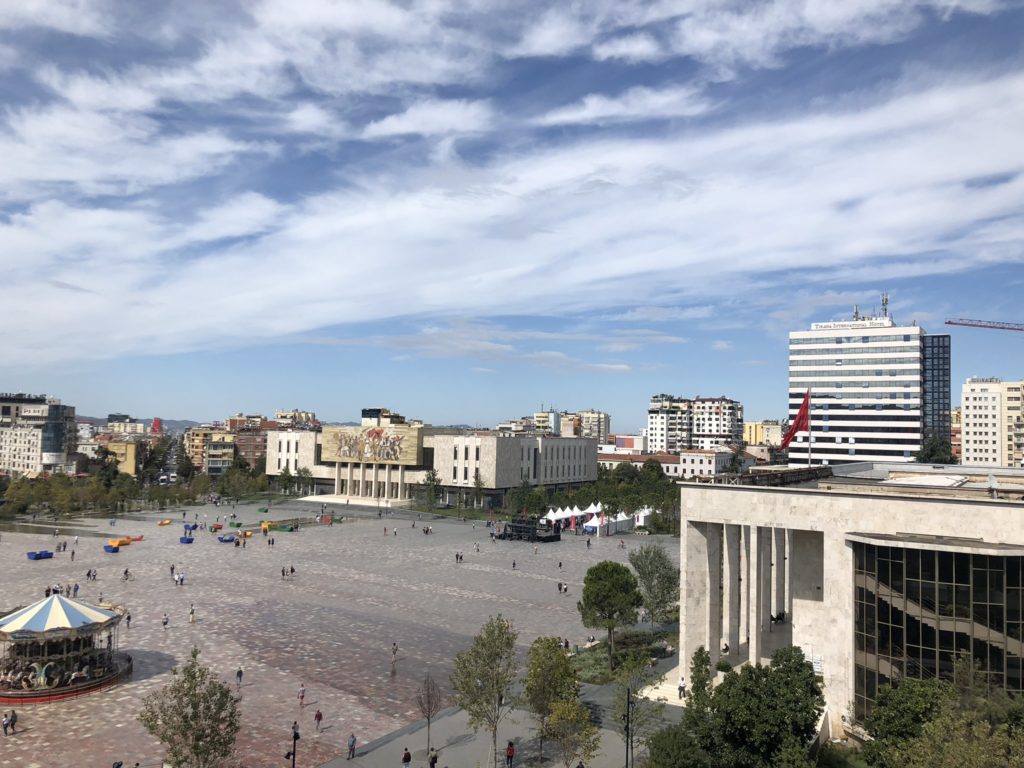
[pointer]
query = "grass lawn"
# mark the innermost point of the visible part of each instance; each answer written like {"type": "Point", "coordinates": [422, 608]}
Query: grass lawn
{"type": "Point", "coordinates": [591, 664]}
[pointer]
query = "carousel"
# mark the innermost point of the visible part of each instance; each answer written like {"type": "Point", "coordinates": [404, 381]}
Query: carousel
{"type": "Point", "coordinates": [59, 648]}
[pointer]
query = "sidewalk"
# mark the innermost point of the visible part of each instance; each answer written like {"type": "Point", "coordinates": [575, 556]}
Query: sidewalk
{"type": "Point", "coordinates": [459, 747]}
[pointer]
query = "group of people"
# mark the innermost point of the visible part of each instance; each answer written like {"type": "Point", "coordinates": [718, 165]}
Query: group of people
{"type": "Point", "coordinates": [10, 722]}
{"type": "Point", "coordinates": [62, 589]}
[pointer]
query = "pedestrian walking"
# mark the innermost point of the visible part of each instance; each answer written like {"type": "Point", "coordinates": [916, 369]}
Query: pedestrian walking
{"type": "Point", "coordinates": [406, 758]}
{"type": "Point", "coordinates": [14, 721]}
{"type": "Point", "coordinates": [351, 746]}
{"type": "Point", "coordinates": [510, 754]}
{"type": "Point", "coordinates": [191, 614]}
{"type": "Point", "coordinates": [72, 555]}
{"type": "Point", "coordinates": [291, 570]}
{"type": "Point", "coordinates": [396, 531]}
{"type": "Point", "coordinates": [513, 565]}
{"type": "Point", "coordinates": [302, 694]}
{"type": "Point", "coordinates": [74, 589]}
{"type": "Point", "coordinates": [238, 677]}
{"type": "Point", "coordinates": [283, 572]}
{"type": "Point", "coordinates": [432, 760]}
{"type": "Point", "coordinates": [7, 723]}
{"type": "Point", "coordinates": [165, 620]}
{"type": "Point", "coordinates": [128, 621]}
{"type": "Point", "coordinates": [682, 686]}
{"type": "Point", "coordinates": [394, 653]}
{"type": "Point", "coordinates": [318, 718]}
{"type": "Point", "coordinates": [76, 541]}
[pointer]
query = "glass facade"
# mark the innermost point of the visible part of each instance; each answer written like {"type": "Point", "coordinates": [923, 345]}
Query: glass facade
{"type": "Point", "coordinates": [935, 383]}
{"type": "Point", "coordinates": [916, 609]}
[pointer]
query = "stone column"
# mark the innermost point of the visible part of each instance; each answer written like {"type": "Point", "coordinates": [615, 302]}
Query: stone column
{"type": "Point", "coordinates": [757, 584]}
{"type": "Point", "coordinates": [337, 479]}
{"type": "Point", "coordinates": [745, 580]}
{"type": "Point", "coordinates": [693, 598]}
{"type": "Point", "coordinates": [362, 479]}
{"type": "Point", "coordinates": [348, 484]}
{"type": "Point", "coordinates": [713, 641]}
{"type": "Point", "coordinates": [789, 575]}
{"type": "Point", "coordinates": [779, 560]}
{"type": "Point", "coordinates": [387, 482]}
{"type": "Point", "coordinates": [731, 583]}
{"type": "Point", "coordinates": [403, 491]}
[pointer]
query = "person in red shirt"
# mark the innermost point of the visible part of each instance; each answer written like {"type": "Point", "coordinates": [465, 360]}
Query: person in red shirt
{"type": "Point", "coordinates": [510, 753]}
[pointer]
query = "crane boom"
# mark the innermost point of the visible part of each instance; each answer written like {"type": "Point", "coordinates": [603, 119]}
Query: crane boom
{"type": "Point", "coordinates": [998, 325]}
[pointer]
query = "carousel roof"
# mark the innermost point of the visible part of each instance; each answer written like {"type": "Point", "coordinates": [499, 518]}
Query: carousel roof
{"type": "Point", "coordinates": [54, 613]}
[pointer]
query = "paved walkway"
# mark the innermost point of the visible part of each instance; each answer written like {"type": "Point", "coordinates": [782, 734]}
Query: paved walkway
{"type": "Point", "coordinates": [356, 590]}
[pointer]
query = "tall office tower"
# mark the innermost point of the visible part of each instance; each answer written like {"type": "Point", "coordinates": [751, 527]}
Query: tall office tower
{"type": "Point", "coordinates": [679, 423]}
{"type": "Point", "coordinates": [992, 427]}
{"type": "Point", "coordinates": [877, 389]}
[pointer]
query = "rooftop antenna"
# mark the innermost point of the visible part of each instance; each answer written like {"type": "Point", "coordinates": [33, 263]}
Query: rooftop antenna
{"type": "Point", "coordinates": [856, 312]}
{"type": "Point", "coordinates": [885, 304]}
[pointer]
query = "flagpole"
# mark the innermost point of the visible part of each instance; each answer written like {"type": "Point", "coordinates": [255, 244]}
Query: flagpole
{"type": "Point", "coordinates": [808, 427]}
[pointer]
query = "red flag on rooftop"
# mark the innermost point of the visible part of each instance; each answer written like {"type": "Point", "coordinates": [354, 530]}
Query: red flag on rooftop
{"type": "Point", "coordinates": [802, 422]}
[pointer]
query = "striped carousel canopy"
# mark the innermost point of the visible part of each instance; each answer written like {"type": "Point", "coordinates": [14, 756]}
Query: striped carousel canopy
{"type": "Point", "coordinates": [54, 614]}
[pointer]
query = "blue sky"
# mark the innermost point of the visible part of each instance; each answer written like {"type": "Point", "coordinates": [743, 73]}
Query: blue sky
{"type": "Point", "coordinates": [465, 210]}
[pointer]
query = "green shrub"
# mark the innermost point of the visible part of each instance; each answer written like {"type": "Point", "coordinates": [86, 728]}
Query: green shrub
{"type": "Point", "coordinates": [723, 666]}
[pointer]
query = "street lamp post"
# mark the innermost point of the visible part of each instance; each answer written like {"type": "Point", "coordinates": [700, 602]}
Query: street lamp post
{"type": "Point", "coordinates": [295, 743]}
{"type": "Point", "coordinates": [626, 721]}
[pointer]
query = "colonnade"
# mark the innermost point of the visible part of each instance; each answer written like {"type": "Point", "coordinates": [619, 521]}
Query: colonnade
{"type": "Point", "coordinates": [374, 481]}
{"type": "Point", "coordinates": [735, 578]}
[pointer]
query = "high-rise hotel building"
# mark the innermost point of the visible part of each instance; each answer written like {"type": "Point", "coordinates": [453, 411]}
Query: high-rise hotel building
{"type": "Point", "coordinates": [877, 390]}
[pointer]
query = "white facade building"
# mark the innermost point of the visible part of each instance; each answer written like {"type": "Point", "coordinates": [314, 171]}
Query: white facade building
{"type": "Point", "coordinates": [678, 423]}
{"type": "Point", "coordinates": [992, 425]}
{"type": "Point", "coordinates": [874, 386]}
{"type": "Point", "coordinates": [36, 434]}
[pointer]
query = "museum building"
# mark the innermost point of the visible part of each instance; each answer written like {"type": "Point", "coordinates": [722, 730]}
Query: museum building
{"type": "Point", "coordinates": [385, 458]}
{"type": "Point", "coordinates": [878, 572]}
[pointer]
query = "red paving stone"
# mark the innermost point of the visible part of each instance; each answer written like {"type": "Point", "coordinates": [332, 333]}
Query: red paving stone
{"type": "Point", "coordinates": [330, 627]}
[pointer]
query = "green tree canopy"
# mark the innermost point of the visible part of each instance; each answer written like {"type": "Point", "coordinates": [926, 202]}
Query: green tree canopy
{"type": "Point", "coordinates": [550, 678]}
{"type": "Point", "coordinates": [610, 599]}
{"type": "Point", "coordinates": [657, 578]}
{"type": "Point", "coordinates": [571, 731]}
{"type": "Point", "coordinates": [484, 676]}
{"type": "Point", "coordinates": [899, 714]}
{"type": "Point", "coordinates": [935, 450]}
{"type": "Point", "coordinates": [195, 716]}
{"type": "Point", "coordinates": [760, 710]}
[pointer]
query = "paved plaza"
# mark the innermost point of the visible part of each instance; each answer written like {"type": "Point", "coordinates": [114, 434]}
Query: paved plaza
{"type": "Point", "coordinates": [357, 589]}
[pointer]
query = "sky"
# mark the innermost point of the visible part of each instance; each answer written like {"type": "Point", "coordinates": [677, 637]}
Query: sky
{"type": "Point", "coordinates": [468, 210]}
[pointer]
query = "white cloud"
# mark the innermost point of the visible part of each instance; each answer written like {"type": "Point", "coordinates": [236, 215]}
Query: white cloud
{"type": "Point", "coordinates": [557, 32]}
{"type": "Point", "coordinates": [432, 118]}
{"type": "Point", "coordinates": [635, 104]}
{"type": "Point", "coordinates": [633, 48]}
{"type": "Point", "coordinates": [721, 345]}
{"type": "Point", "coordinates": [91, 18]}
{"type": "Point", "coordinates": [666, 314]}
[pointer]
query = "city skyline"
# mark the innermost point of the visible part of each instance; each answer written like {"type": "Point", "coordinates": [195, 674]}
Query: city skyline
{"type": "Point", "coordinates": [207, 209]}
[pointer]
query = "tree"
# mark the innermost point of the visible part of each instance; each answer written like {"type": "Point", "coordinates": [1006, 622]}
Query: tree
{"type": "Point", "coordinates": [200, 486]}
{"type": "Point", "coordinates": [431, 490]}
{"type": "Point", "coordinates": [550, 678]}
{"type": "Point", "coordinates": [304, 479]}
{"type": "Point", "coordinates": [936, 450]}
{"type": "Point", "coordinates": [676, 747]}
{"type": "Point", "coordinates": [195, 716]}
{"type": "Point", "coordinates": [484, 675]}
{"type": "Point", "coordinates": [644, 715]}
{"type": "Point", "coordinates": [430, 701]}
{"type": "Point", "coordinates": [697, 715]}
{"type": "Point", "coordinates": [285, 480]}
{"type": "Point", "coordinates": [761, 711]}
{"type": "Point", "coordinates": [610, 600]}
{"type": "Point", "coordinates": [573, 735]}
{"type": "Point", "coordinates": [899, 715]}
{"type": "Point", "coordinates": [958, 738]}
{"type": "Point", "coordinates": [185, 467]}
{"type": "Point", "coordinates": [657, 578]}
{"type": "Point", "coordinates": [478, 489]}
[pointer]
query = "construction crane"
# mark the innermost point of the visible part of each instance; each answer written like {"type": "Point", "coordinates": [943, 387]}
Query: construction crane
{"type": "Point", "coordinates": [987, 324]}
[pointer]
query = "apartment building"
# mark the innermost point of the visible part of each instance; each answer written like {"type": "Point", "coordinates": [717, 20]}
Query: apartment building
{"type": "Point", "coordinates": [992, 426]}
{"type": "Point", "coordinates": [37, 434]}
{"type": "Point", "coordinates": [678, 423]}
{"type": "Point", "coordinates": [763, 432]}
